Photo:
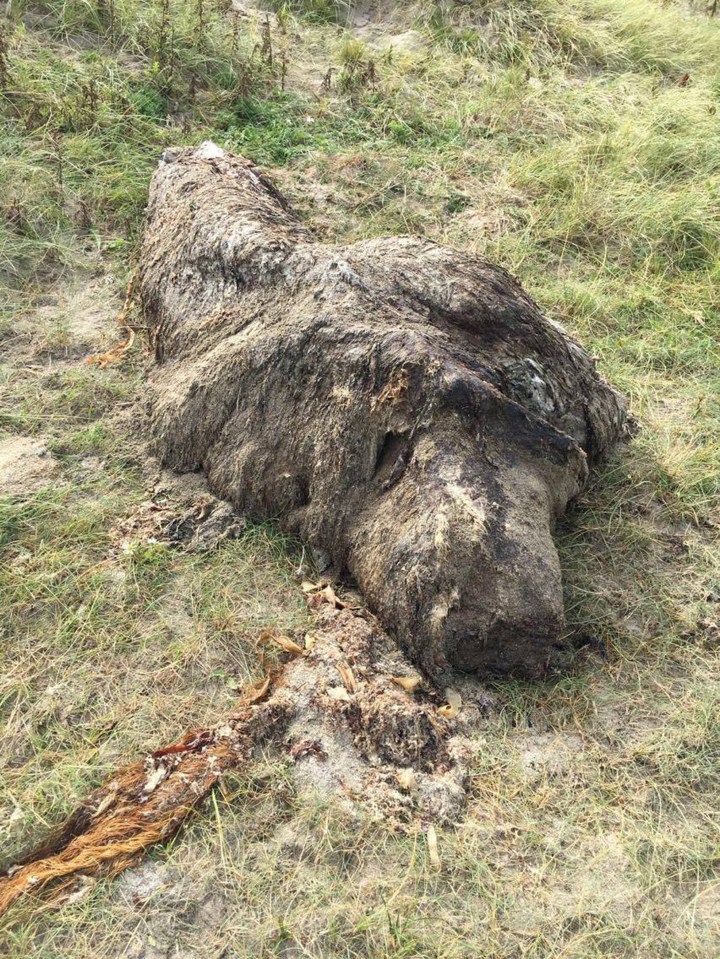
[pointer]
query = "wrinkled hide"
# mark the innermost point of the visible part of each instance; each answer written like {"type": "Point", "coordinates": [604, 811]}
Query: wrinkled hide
{"type": "Point", "coordinates": [404, 408]}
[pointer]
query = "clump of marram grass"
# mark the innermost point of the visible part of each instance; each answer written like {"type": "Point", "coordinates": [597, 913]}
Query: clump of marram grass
{"type": "Point", "coordinates": [599, 34]}
{"type": "Point", "coordinates": [640, 188]}
{"type": "Point", "coordinates": [315, 11]}
{"type": "Point", "coordinates": [358, 71]}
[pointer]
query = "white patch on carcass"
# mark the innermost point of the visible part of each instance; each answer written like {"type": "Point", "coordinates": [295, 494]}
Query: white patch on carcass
{"type": "Point", "coordinates": [210, 151]}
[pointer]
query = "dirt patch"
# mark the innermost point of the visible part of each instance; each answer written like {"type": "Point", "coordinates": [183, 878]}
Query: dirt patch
{"type": "Point", "coordinates": [60, 327]}
{"type": "Point", "coordinates": [385, 38]}
{"type": "Point", "coordinates": [26, 466]}
{"type": "Point", "coordinates": [77, 314]}
{"type": "Point", "coordinates": [545, 754]}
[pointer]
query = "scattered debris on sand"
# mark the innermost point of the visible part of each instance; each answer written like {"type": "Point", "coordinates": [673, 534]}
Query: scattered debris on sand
{"type": "Point", "coordinates": [335, 707]}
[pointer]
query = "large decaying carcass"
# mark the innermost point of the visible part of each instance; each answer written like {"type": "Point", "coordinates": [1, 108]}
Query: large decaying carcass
{"type": "Point", "coordinates": [404, 408]}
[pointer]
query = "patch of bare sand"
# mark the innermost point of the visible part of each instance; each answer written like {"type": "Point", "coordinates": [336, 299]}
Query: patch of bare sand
{"type": "Point", "coordinates": [80, 310]}
{"type": "Point", "coordinates": [75, 316]}
{"type": "Point", "coordinates": [26, 465]}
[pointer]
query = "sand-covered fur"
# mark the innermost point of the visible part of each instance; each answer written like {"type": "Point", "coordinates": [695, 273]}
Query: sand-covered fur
{"type": "Point", "coordinates": [402, 407]}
